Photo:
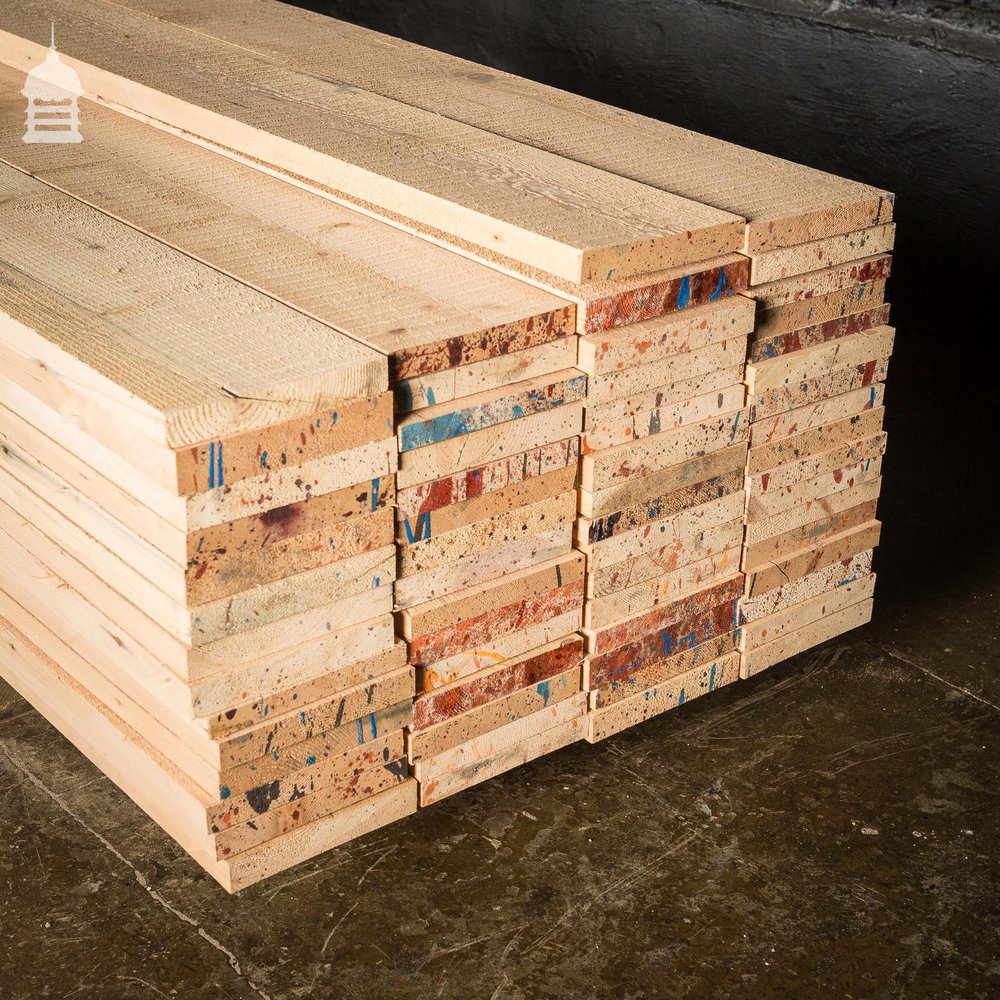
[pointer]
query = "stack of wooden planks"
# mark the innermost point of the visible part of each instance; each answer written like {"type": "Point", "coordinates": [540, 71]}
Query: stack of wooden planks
{"type": "Point", "coordinates": [373, 424]}
{"type": "Point", "coordinates": [197, 495]}
{"type": "Point", "coordinates": [816, 372]}
{"type": "Point", "coordinates": [662, 503]}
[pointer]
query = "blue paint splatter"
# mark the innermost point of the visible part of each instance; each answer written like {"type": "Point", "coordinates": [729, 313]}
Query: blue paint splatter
{"type": "Point", "coordinates": [684, 294]}
{"type": "Point", "coordinates": [224, 792]}
{"type": "Point", "coordinates": [543, 690]}
{"type": "Point", "coordinates": [431, 401]}
{"type": "Point", "coordinates": [376, 484]}
{"type": "Point", "coordinates": [423, 528]}
{"type": "Point", "coordinates": [722, 288]}
{"type": "Point", "coordinates": [361, 731]}
{"type": "Point", "coordinates": [263, 459]}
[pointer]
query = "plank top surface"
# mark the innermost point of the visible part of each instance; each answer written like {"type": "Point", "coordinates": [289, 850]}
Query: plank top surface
{"type": "Point", "coordinates": [785, 203]}
{"type": "Point", "coordinates": [572, 219]}
{"type": "Point", "coordinates": [395, 292]}
{"type": "Point", "coordinates": [182, 342]}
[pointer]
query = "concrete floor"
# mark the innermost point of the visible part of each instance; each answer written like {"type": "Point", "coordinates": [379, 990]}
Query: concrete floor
{"type": "Point", "coordinates": [827, 829]}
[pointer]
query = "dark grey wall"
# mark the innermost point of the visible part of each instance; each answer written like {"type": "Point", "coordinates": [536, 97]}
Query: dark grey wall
{"type": "Point", "coordinates": [900, 94]}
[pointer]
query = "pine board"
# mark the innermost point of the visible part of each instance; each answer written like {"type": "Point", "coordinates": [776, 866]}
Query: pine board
{"type": "Point", "coordinates": [568, 218]}
{"type": "Point", "coordinates": [434, 388]}
{"type": "Point", "coordinates": [629, 424]}
{"type": "Point", "coordinates": [499, 531]}
{"type": "Point", "coordinates": [784, 203]}
{"type": "Point", "coordinates": [494, 682]}
{"type": "Point", "coordinates": [448, 783]}
{"type": "Point", "coordinates": [670, 694]}
{"type": "Point", "coordinates": [698, 469]}
{"type": "Point", "coordinates": [647, 676]}
{"type": "Point", "coordinates": [502, 648]}
{"type": "Point", "coordinates": [825, 526]}
{"type": "Point", "coordinates": [675, 333]}
{"type": "Point", "coordinates": [798, 641]}
{"type": "Point", "coordinates": [668, 559]}
{"type": "Point", "coordinates": [618, 633]}
{"type": "Point", "coordinates": [153, 365]}
{"type": "Point", "coordinates": [429, 770]}
{"type": "Point", "coordinates": [813, 557]}
{"type": "Point", "coordinates": [600, 611]}
{"type": "Point", "coordinates": [425, 308]}
{"type": "Point", "coordinates": [722, 355]}
{"type": "Point", "coordinates": [487, 409]}
{"type": "Point", "coordinates": [806, 512]}
{"type": "Point", "coordinates": [819, 308]}
{"type": "Point", "coordinates": [785, 621]}
{"type": "Point", "coordinates": [795, 447]}
{"type": "Point", "coordinates": [831, 251]}
{"type": "Point", "coordinates": [591, 532]}
{"type": "Point", "coordinates": [676, 530]}
{"type": "Point", "coordinates": [801, 287]}
{"type": "Point", "coordinates": [161, 790]}
{"type": "Point", "coordinates": [604, 469]}
{"type": "Point", "coordinates": [821, 360]}
{"type": "Point", "coordinates": [483, 566]}
{"type": "Point", "coordinates": [767, 404]}
{"type": "Point", "coordinates": [442, 520]}
{"type": "Point", "coordinates": [488, 445]}
{"type": "Point", "coordinates": [839, 574]}
{"type": "Point", "coordinates": [527, 701]}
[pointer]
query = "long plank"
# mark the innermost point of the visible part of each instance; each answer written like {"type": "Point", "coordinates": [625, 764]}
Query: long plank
{"type": "Point", "coordinates": [453, 732]}
{"type": "Point", "coordinates": [625, 494]}
{"type": "Point", "coordinates": [504, 737]}
{"type": "Point", "coordinates": [648, 594]}
{"type": "Point", "coordinates": [675, 333]}
{"type": "Point", "coordinates": [571, 219]}
{"type": "Point", "coordinates": [772, 401]}
{"type": "Point", "coordinates": [491, 444]}
{"type": "Point", "coordinates": [154, 783]}
{"type": "Point", "coordinates": [481, 567]}
{"type": "Point", "coordinates": [495, 682]}
{"type": "Point", "coordinates": [487, 409]}
{"type": "Point", "coordinates": [649, 677]}
{"type": "Point", "coordinates": [791, 643]}
{"type": "Point", "coordinates": [813, 557]}
{"type": "Point", "coordinates": [629, 423]}
{"type": "Point", "coordinates": [801, 287]}
{"type": "Point", "coordinates": [591, 532]}
{"type": "Point", "coordinates": [502, 648]}
{"type": "Point", "coordinates": [825, 526]}
{"type": "Point", "coordinates": [675, 530]}
{"type": "Point", "coordinates": [819, 308]}
{"type": "Point", "coordinates": [784, 203]}
{"type": "Point", "coordinates": [460, 779]}
{"type": "Point", "coordinates": [673, 556]}
{"type": "Point", "coordinates": [673, 693]}
{"type": "Point", "coordinates": [772, 627]}
{"type": "Point", "coordinates": [97, 302]}
{"type": "Point", "coordinates": [603, 469]}
{"type": "Point", "coordinates": [800, 366]}
{"type": "Point", "coordinates": [424, 307]}
{"type": "Point", "coordinates": [793, 448]}
{"type": "Point", "coordinates": [831, 251]}
{"type": "Point", "coordinates": [839, 574]}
